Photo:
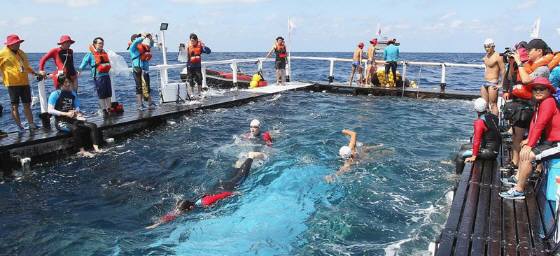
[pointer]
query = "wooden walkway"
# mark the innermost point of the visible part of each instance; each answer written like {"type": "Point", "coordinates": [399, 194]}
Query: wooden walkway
{"type": "Point", "coordinates": [43, 145]}
{"type": "Point", "coordinates": [480, 222]}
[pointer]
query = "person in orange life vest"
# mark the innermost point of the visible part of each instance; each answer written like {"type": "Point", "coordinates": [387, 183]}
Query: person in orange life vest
{"type": "Point", "coordinates": [139, 48]}
{"type": "Point", "coordinates": [63, 58]}
{"type": "Point", "coordinates": [195, 50]}
{"type": "Point", "coordinates": [222, 190]}
{"type": "Point", "coordinates": [279, 48]}
{"type": "Point", "coordinates": [536, 50]}
{"type": "Point", "coordinates": [543, 139]}
{"type": "Point", "coordinates": [98, 60]}
{"type": "Point", "coordinates": [14, 66]}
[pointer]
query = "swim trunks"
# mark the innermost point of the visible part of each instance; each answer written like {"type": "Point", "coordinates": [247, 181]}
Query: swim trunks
{"type": "Point", "coordinates": [489, 84]}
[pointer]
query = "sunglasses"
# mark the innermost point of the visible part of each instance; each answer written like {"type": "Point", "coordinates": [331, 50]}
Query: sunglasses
{"type": "Point", "coordinates": [540, 89]}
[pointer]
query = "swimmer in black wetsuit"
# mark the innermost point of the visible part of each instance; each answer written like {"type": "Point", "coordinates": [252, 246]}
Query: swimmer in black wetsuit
{"type": "Point", "coordinates": [223, 189]}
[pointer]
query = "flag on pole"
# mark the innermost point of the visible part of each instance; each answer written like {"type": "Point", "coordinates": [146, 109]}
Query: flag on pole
{"type": "Point", "coordinates": [536, 28]}
{"type": "Point", "coordinates": [291, 25]}
{"type": "Point", "coordinates": [378, 33]}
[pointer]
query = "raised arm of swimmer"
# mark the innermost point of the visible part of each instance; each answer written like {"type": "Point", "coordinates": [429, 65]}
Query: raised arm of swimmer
{"type": "Point", "coordinates": [348, 153]}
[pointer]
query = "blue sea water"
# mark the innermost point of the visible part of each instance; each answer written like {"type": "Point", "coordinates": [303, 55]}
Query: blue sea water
{"type": "Point", "coordinates": [391, 202]}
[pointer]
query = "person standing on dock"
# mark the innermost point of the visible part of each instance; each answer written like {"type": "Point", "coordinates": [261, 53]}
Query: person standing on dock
{"type": "Point", "coordinates": [98, 60]}
{"type": "Point", "coordinates": [391, 56]}
{"type": "Point", "coordinates": [543, 140]}
{"type": "Point", "coordinates": [357, 65]}
{"type": "Point", "coordinates": [279, 49]}
{"type": "Point", "coordinates": [63, 58]}
{"type": "Point", "coordinates": [14, 66]}
{"type": "Point", "coordinates": [139, 49]}
{"type": "Point", "coordinates": [65, 107]}
{"type": "Point", "coordinates": [195, 50]}
{"type": "Point", "coordinates": [486, 139]}
{"type": "Point", "coordinates": [371, 67]}
{"type": "Point", "coordinates": [494, 70]}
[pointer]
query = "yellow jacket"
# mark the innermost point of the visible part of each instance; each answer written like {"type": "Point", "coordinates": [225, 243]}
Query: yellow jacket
{"type": "Point", "coordinates": [14, 67]}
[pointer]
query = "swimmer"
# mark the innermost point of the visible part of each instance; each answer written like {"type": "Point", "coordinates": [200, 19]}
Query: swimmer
{"type": "Point", "coordinates": [350, 154]}
{"type": "Point", "coordinates": [222, 190]}
{"type": "Point", "coordinates": [255, 134]}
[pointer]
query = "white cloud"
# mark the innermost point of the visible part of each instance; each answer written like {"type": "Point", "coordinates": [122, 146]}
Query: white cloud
{"type": "Point", "coordinates": [526, 4]}
{"type": "Point", "coordinates": [145, 20]}
{"type": "Point", "coordinates": [447, 15]}
{"type": "Point", "coordinates": [26, 20]}
{"type": "Point", "coordinates": [218, 1]}
{"type": "Point", "coordinates": [71, 3]}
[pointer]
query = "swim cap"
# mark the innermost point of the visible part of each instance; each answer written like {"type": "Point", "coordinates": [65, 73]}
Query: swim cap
{"type": "Point", "coordinates": [361, 45]}
{"type": "Point", "coordinates": [489, 42]}
{"type": "Point", "coordinates": [480, 105]}
{"type": "Point", "coordinates": [345, 152]}
{"type": "Point", "coordinates": [256, 123]}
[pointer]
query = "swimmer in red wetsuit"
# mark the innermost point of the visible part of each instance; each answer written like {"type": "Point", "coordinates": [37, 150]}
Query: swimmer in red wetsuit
{"type": "Point", "coordinates": [223, 190]}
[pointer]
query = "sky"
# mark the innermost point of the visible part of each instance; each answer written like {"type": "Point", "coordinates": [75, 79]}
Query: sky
{"type": "Point", "coordinates": [252, 25]}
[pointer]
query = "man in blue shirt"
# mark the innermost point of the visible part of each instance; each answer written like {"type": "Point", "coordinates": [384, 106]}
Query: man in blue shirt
{"type": "Point", "coordinates": [391, 56]}
{"type": "Point", "coordinates": [139, 48]}
{"type": "Point", "coordinates": [65, 107]}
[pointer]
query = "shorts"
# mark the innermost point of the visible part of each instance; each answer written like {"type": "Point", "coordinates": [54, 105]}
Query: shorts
{"type": "Point", "coordinates": [280, 64]}
{"type": "Point", "coordinates": [142, 78]}
{"type": "Point", "coordinates": [19, 92]}
{"type": "Point", "coordinates": [356, 64]}
{"type": "Point", "coordinates": [546, 150]}
{"type": "Point", "coordinates": [103, 87]}
{"type": "Point", "coordinates": [490, 84]}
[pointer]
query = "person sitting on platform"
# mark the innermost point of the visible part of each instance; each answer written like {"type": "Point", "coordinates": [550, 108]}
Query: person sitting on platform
{"type": "Point", "coordinates": [543, 138]}
{"type": "Point", "coordinates": [65, 107]}
{"type": "Point", "coordinates": [486, 140]}
{"type": "Point", "coordinates": [222, 190]}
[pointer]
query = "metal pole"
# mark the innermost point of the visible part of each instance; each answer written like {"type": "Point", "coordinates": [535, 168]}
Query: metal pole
{"type": "Point", "coordinates": [331, 71]}
{"type": "Point", "coordinates": [442, 84]}
{"type": "Point", "coordinates": [234, 68]}
{"type": "Point", "coordinates": [164, 77]}
{"type": "Point", "coordinates": [403, 77]}
{"type": "Point", "coordinates": [289, 46]}
{"type": "Point", "coordinates": [203, 68]}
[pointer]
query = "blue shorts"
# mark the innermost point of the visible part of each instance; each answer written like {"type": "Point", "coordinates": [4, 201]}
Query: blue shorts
{"type": "Point", "coordinates": [103, 87]}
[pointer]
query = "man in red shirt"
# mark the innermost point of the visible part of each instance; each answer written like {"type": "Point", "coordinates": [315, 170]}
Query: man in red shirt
{"type": "Point", "coordinates": [63, 58]}
{"type": "Point", "coordinates": [544, 135]}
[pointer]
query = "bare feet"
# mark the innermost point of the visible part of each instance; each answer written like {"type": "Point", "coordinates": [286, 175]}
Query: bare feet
{"type": "Point", "coordinates": [84, 153]}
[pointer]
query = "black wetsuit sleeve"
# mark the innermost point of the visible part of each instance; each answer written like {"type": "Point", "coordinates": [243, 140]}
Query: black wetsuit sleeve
{"type": "Point", "coordinates": [239, 176]}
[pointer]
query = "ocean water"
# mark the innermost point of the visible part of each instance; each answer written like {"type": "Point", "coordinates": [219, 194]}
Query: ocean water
{"type": "Point", "coordinates": [392, 202]}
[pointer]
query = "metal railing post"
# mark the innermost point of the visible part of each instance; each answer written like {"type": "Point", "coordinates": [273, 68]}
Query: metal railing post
{"type": "Point", "coordinates": [442, 83]}
{"type": "Point", "coordinates": [331, 71]}
{"type": "Point", "coordinates": [203, 69]}
{"type": "Point", "coordinates": [234, 69]}
{"type": "Point", "coordinates": [403, 77]}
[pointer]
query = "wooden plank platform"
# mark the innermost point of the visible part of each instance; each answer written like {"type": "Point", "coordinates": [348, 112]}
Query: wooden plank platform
{"type": "Point", "coordinates": [41, 144]}
{"type": "Point", "coordinates": [480, 222]}
{"type": "Point", "coordinates": [396, 91]}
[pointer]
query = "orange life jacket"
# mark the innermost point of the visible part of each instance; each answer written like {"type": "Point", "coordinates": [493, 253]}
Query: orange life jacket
{"type": "Point", "coordinates": [145, 54]}
{"type": "Point", "coordinates": [280, 50]}
{"type": "Point", "coordinates": [555, 61]}
{"type": "Point", "coordinates": [523, 91]}
{"type": "Point", "coordinates": [194, 52]}
{"type": "Point", "coordinates": [102, 64]}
